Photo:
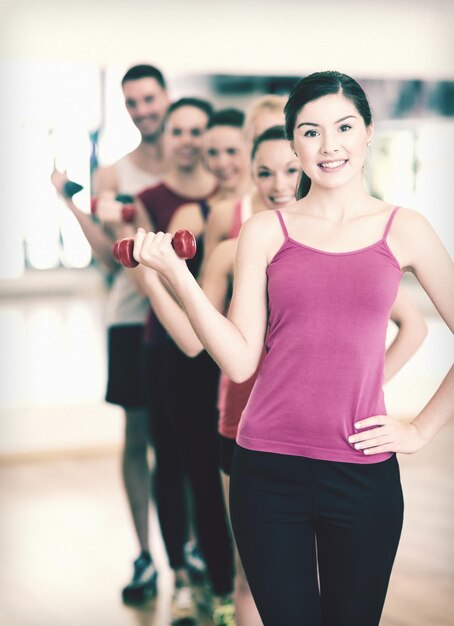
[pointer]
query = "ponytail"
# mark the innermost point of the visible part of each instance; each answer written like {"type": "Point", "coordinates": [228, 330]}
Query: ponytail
{"type": "Point", "coordinates": [303, 186]}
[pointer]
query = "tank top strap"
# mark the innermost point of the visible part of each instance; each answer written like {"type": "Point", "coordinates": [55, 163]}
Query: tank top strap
{"type": "Point", "coordinates": [204, 209]}
{"type": "Point", "coordinates": [282, 223]}
{"type": "Point", "coordinates": [390, 221]}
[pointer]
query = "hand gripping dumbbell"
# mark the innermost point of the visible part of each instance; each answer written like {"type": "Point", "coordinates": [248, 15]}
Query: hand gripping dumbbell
{"type": "Point", "coordinates": [183, 243]}
{"type": "Point", "coordinates": [128, 210]}
{"type": "Point", "coordinates": [70, 188]}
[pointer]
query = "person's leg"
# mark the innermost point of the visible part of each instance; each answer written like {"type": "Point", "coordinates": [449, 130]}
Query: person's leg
{"type": "Point", "coordinates": [360, 519]}
{"type": "Point", "coordinates": [169, 479]}
{"type": "Point", "coordinates": [246, 611]}
{"type": "Point", "coordinates": [226, 449]}
{"type": "Point", "coordinates": [271, 504]}
{"type": "Point", "coordinates": [124, 389]}
{"type": "Point", "coordinates": [194, 414]}
{"type": "Point", "coordinates": [136, 472]}
{"type": "Point", "coordinates": [169, 484]}
{"type": "Point", "coordinates": [211, 520]}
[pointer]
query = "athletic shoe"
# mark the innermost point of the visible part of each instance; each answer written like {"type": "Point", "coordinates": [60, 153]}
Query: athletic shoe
{"type": "Point", "coordinates": [195, 563]}
{"type": "Point", "coordinates": [224, 613]}
{"type": "Point", "coordinates": [183, 609]}
{"type": "Point", "coordinates": [203, 596]}
{"type": "Point", "coordinates": [143, 586]}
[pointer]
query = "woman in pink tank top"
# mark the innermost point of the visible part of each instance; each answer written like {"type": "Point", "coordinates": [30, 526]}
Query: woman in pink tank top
{"type": "Point", "coordinates": [316, 500]}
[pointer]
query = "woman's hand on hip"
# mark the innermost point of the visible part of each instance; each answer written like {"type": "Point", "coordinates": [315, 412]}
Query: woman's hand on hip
{"type": "Point", "coordinates": [386, 434]}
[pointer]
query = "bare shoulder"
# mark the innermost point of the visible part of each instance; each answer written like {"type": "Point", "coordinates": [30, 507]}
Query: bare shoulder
{"type": "Point", "coordinates": [221, 212]}
{"type": "Point", "coordinates": [223, 256]}
{"type": "Point", "coordinates": [221, 206]}
{"type": "Point", "coordinates": [105, 179]}
{"type": "Point", "coordinates": [414, 241]}
{"type": "Point", "coordinates": [225, 251]}
{"type": "Point", "coordinates": [188, 209]}
{"type": "Point", "coordinates": [410, 223]}
{"type": "Point", "coordinates": [187, 216]}
{"type": "Point", "coordinates": [262, 234]}
{"type": "Point", "coordinates": [265, 222]}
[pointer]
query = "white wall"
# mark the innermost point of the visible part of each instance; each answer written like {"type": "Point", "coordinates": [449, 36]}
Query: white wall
{"type": "Point", "coordinates": [400, 38]}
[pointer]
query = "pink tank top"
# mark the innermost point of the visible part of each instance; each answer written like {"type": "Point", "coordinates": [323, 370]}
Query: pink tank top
{"type": "Point", "coordinates": [328, 316]}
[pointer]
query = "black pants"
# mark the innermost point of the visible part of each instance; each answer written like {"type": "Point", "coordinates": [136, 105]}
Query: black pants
{"type": "Point", "coordinates": [292, 516]}
{"type": "Point", "coordinates": [184, 426]}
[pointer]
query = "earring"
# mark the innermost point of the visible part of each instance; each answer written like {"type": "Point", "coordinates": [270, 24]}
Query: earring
{"type": "Point", "coordinates": [369, 143]}
{"type": "Point", "coordinates": [295, 154]}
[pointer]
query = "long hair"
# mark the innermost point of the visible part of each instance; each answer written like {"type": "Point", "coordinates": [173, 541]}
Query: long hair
{"type": "Point", "coordinates": [316, 86]}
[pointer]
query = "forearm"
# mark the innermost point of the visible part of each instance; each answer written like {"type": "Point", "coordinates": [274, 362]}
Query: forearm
{"type": "Point", "coordinates": [100, 242]}
{"type": "Point", "coordinates": [438, 411]}
{"type": "Point", "coordinates": [404, 346]}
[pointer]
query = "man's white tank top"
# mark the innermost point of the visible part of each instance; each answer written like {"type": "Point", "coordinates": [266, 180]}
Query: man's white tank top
{"type": "Point", "coordinates": [125, 306]}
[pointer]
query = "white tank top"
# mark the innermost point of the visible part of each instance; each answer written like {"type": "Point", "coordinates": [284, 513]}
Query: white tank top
{"type": "Point", "coordinates": [125, 306]}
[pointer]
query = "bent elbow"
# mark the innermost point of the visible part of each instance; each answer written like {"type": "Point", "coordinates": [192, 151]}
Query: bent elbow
{"type": "Point", "coordinates": [238, 379]}
{"type": "Point", "coordinates": [192, 351]}
{"type": "Point", "coordinates": [240, 374]}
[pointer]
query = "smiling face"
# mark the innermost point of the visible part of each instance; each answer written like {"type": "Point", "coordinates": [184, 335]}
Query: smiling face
{"type": "Point", "coordinates": [146, 102]}
{"type": "Point", "coordinates": [276, 170]}
{"type": "Point", "coordinates": [183, 136]}
{"type": "Point", "coordinates": [226, 155]}
{"type": "Point", "coordinates": [330, 138]}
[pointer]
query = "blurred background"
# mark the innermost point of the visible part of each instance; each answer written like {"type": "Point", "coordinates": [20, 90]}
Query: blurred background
{"type": "Point", "coordinates": [61, 65]}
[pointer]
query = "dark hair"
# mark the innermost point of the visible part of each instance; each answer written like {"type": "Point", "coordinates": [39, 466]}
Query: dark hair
{"type": "Point", "coordinates": [270, 134]}
{"type": "Point", "coordinates": [227, 117]}
{"type": "Point", "coordinates": [316, 86]}
{"type": "Point", "coordinates": [198, 103]}
{"type": "Point", "coordinates": [144, 71]}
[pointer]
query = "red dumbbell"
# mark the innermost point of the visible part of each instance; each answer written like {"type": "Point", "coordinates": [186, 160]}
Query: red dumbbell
{"type": "Point", "coordinates": [183, 243]}
{"type": "Point", "coordinates": [128, 211]}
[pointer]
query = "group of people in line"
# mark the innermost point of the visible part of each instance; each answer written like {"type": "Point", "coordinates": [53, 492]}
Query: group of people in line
{"type": "Point", "coordinates": [254, 371]}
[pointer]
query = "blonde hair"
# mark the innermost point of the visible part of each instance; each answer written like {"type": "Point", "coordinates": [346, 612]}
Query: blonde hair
{"type": "Point", "coordinates": [269, 103]}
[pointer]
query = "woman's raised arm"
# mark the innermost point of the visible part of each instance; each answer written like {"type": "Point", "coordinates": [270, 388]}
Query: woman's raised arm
{"type": "Point", "coordinates": [235, 343]}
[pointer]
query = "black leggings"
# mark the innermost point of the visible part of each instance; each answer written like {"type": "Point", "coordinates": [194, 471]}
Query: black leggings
{"type": "Point", "coordinates": [293, 516]}
{"type": "Point", "coordinates": [184, 426]}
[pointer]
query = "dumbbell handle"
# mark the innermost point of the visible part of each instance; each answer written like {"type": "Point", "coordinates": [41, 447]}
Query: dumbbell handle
{"type": "Point", "coordinates": [183, 243]}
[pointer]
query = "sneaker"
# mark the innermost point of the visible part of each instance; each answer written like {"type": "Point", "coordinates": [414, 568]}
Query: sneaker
{"type": "Point", "coordinates": [143, 586]}
{"type": "Point", "coordinates": [195, 563]}
{"type": "Point", "coordinates": [224, 613]}
{"type": "Point", "coordinates": [203, 596]}
{"type": "Point", "coordinates": [183, 609]}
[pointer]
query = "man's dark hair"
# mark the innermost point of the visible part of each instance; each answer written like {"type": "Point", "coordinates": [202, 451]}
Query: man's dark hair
{"type": "Point", "coordinates": [198, 103]}
{"type": "Point", "coordinates": [227, 117]}
{"type": "Point", "coordinates": [144, 71]}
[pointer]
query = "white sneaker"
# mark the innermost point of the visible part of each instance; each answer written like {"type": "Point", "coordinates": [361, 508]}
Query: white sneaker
{"type": "Point", "coordinates": [183, 606]}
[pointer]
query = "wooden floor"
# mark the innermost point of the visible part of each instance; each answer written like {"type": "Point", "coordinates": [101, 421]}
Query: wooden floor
{"type": "Point", "coordinates": [67, 544]}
